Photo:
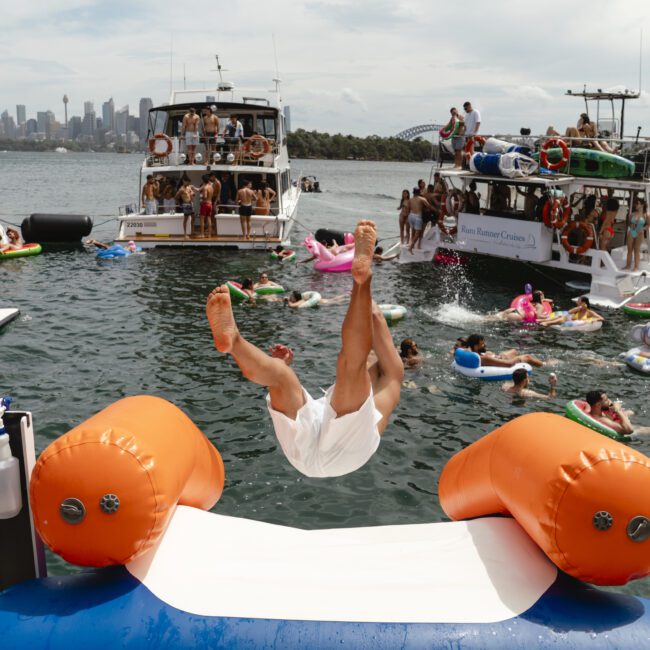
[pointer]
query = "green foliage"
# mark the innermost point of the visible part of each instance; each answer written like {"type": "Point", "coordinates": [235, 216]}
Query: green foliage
{"type": "Point", "coordinates": [312, 144]}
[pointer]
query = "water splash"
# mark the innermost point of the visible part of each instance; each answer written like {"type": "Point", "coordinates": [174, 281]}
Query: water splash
{"type": "Point", "coordinates": [453, 313]}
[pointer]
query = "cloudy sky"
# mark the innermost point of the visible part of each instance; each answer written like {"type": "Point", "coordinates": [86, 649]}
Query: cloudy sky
{"type": "Point", "coordinates": [349, 66]}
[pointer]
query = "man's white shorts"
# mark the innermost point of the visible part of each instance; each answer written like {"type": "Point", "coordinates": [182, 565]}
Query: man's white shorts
{"type": "Point", "coordinates": [320, 444]}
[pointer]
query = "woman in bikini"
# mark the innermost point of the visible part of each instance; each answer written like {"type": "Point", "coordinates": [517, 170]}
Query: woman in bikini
{"type": "Point", "coordinates": [635, 233]}
{"type": "Point", "coordinates": [14, 241]}
{"type": "Point", "coordinates": [263, 199]}
{"type": "Point", "coordinates": [404, 228]}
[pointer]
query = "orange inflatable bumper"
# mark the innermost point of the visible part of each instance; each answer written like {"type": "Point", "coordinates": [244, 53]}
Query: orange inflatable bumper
{"type": "Point", "coordinates": [103, 493]}
{"type": "Point", "coordinates": [582, 497]}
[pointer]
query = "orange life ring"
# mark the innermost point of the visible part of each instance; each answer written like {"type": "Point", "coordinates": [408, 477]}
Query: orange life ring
{"type": "Point", "coordinates": [158, 138]}
{"type": "Point", "coordinates": [454, 203]}
{"type": "Point", "coordinates": [586, 245]}
{"type": "Point", "coordinates": [560, 212]}
{"type": "Point", "coordinates": [257, 150]}
{"type": "Point", "coordinates": [444, 229]}
{"type": "Point", "coordinates": [543, 156]}
{"type": "Point", "coordinates": [469, 147]}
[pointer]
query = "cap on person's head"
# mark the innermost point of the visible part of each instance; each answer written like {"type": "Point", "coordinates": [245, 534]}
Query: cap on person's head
{"type": "Point", "coordinates": [213, 108]}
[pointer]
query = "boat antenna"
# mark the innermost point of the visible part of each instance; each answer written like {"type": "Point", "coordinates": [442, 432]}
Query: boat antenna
{"type": "Point", "coordinates": [218, 69]}
{"type": "Point", "coordinates": [171, 67]}
{"type": "Point", "coordinates": [640, 58]}
{"type": "Point", "coordinates": [277, 79]}
{"type": "Point", "coordinates": [184, 78]}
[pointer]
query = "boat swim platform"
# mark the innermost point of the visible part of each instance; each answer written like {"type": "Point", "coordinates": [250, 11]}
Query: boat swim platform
{"type": "Point", "coordinates": [193, 241]}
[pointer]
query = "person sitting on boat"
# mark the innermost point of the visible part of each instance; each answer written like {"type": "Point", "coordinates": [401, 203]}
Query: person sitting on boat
{"type": "Point", "coordinates": [190, 131]}
{"type": "Point", "coordinates": [15, 242]}
{"type": "Point", "coordinates": [341, 431]}
{"type": "Point", "coordinates": [589, 130]}
{"type": "Point", "coordinates": [635, 232]}
{"type": "Point", "coordinates": [169, 200]}
{"type": "Point", "coordinates": [297, 300]}
{"type": "Point", "coordinates": [472, 200]}
{"type": "Point", "coordinates": [609, 413]}
{"type": "Point", "coordinates": [264, 281]}
{"type": "Point", "coordinates": [582, 312]}
{"type": "Point", "coordinates": [409, 353]}
{"type": "Point", "coordinates": [519, 386]}
{"type": "Point", "coordinates": [505, 359]}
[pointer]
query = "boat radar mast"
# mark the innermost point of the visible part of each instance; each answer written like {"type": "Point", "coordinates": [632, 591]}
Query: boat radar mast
{"type": "Point", "coordinates": [606, 96]}
{"type": "Point", "coordinates": [222, 86]}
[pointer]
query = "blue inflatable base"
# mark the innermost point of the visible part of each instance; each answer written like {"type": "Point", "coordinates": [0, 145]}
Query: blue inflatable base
{"type": "Point", "coordinates": [108, 608]}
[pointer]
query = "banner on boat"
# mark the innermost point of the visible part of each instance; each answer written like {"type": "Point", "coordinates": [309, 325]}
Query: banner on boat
{"type": "Point", "coordinates": [524, 240]}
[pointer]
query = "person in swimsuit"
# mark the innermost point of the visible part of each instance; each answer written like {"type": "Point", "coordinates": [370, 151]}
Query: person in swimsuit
{"type": "Point", "coordinates": [635, 233]}
{"type": "Point", "coordinates": [205, 212]}
{"type": "Point", "coordinates": [211, 129]}
{"type": "Point", "coordinates": [582, 312]}
{"type": "Point", "coordinates": [404, 228]}
{"type": "Point", "coordinates": [190, 130]}
{"type": "Point", "coordinates": [265, 282]}
{"type": "Point", "coordinates": [234, 134]}
{"type": "Point", "coordinates": [245, 198]}
{"type": "Point", "coordinates": [606, 231]}
{"type": "Point", "coordinates": [169, 201]}
{"type": "Point", "coordinates": [417, 204]}
{"type": "Point", "coordinates": [608, 413]}
{"type": "Point", "coordinates": [263, 197]}
{"type": "Point", "coordinates": [340, 432]}
{"type": "Point", "coordinates": [296, 300]}
{"type": "Point", "coordinates": [185, 196]}
{"type": "Point", "coordinates": [519, 386]}
{"type": "Point", "coordinates": [149, 192]}
{"type": "Point", "coordinates": [409, 354]}
{"type": "Point", "coordinates": [15, 242]}
{"type": "Point", "coordinates": [505, 359]}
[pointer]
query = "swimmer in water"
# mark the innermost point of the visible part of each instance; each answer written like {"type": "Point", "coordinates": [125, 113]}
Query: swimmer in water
{"type": "Point", "coordinates": [265, 282]}
{"type": "Point", "coordinates": [409, 353]}
{"type": "Point", "coordinates": [582, 312]}
{"type": "Point", "coordinates": [339, 432]}
{"type": "Point", "coordinates": [130, 245]}
{"type": "Point", "coordinates": [519, 386]}
{"type": "Point", "coordinates": [505, 359]}
{"type": "Point", "coordinates": [296, 300]}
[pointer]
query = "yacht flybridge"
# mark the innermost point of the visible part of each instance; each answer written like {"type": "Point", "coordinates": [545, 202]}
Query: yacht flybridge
{"type": "Point", "coordinates": [248, 145]}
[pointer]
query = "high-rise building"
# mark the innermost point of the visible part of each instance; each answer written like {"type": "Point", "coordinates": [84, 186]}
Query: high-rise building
{"type": "Point", "coordinates": [74, 127]}
{"type": "Point", "coordinates": [89, 120]}
{"type": "Point", "coordinates": [44, 121]}
{"type": "Point", "coordinates": [8, 125]}
{"type": "Point", "coordinates": [21, 114]}
{"type": "Point", "coordinates": [31, 127]}
{"type": "Point", "coordinates": [122, 121]}
{"type": "Point", "coordinates": [108, 115]}
{"type": "Point", "coordinates": [145, 106]}
{"type": "Point", "coordinates": [89, 107]}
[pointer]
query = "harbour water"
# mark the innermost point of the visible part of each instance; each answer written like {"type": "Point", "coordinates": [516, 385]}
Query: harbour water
{"type": "Point", "coordinates": [93, 331]}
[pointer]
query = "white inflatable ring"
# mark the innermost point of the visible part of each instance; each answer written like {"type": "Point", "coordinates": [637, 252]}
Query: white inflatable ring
{"type": "Point", "coordinates": [636, 361]}
{"type": "Point", "coordinates": [469, 364]}
{"type": "Point", "coordinates": [392, 312]}
{"type": "Point", "coordinates": [311, 298]}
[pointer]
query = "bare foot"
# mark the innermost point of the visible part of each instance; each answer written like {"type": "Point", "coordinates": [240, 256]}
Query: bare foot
{"type": "Point", "coordinates": [222, 322]}
{"type": "Point", "coordinates": [282, 352]}
{"type": "Point", "coordinates": [365, 237]}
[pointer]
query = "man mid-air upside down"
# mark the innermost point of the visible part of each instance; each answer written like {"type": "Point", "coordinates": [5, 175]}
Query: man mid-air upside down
{"type": "Point", "coordinates": [339, 432]}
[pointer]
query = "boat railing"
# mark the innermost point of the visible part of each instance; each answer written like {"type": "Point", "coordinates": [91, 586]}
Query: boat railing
{"type": "Point", "coordinates": [222, 210]}
{"type": "Point", "coordinates": [258, 152]}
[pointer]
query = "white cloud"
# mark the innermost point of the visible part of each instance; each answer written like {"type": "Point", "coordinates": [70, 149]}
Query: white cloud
{"type": "Point", "coordinates": [352, 97]}
{"type": "Point", "coordinates": [530, 93]}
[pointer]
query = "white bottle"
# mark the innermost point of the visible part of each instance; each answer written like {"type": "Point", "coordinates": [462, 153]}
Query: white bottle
{"type": "Point", "coordinates": [11, 501]}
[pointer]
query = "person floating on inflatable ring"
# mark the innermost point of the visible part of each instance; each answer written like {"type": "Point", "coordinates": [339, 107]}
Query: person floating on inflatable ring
{"type": "Point", "coordinates": [339, 432]}
{"type": "Point", "coordinates": [582, 312]}
{"type": "Point", "coordinates": [505, 359]}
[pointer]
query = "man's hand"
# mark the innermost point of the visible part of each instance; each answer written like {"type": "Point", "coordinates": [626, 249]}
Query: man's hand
{"type": "Point", "coordinates": [282, 352]}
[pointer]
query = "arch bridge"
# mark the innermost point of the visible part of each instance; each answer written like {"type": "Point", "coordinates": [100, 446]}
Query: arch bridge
{"type": "Point", "coordinates": [415, 131]}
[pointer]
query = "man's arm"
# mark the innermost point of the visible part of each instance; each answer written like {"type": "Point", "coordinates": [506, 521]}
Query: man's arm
{"type": "Point", "coordinates": [624, 426]}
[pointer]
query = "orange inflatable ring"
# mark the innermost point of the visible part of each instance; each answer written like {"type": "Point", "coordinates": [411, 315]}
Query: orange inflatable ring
{"type": "Point", "coordinates": [153, 145]}
{"type": "Point", "coordinates": [103, 493]}
{"type": "Point", "coordinates": [552, 143]}
{"type": "Point", "coordinates": [256, 146]}
{"type": "Point", "coordinates": [469, 147]}
{"type": "Point", "coordinates": [556, 213]}
{"type": "Point", "coordinates": [586, 245]}
{"type": "Point", "coordinates": [578, 494]}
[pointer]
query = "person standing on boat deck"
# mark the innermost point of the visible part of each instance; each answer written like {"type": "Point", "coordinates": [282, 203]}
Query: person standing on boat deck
{"type": "Point", "coordinates": [264, 196]}
{"type": "Point", "coordinates": [458, 140]}
{"type": "Point", "coordinates": [606, 232]}
{"type": "Point", "coordinates": [472, 122]}
{"type": "Point", "coordinates": [211, 129]}
{"type": "Point", "coordinates": [430, 215]}
{"type": "Point", "coordinates": [216, 197]}
{"type": "Point", "coordinates": [417, 204]}
{"type": "Point", "coordinates": [635, 232]}
{"type": "Point", "coordinates": [404, 228]}
{"type": "Point", "coordinates": [186, 197]}
{"type": "Point", "coordinates": [245, 198]}
{"type": "Point", "coordinates": [227, 190]}
{"type": "Point", "coordinates": [190, 130]}
{"type": "Point", "coordinates": [340, 432]}
{"type": "Point", "coordinates": [149, 196]}
{"type": "Point", "coordinates": [205, 212]}
{"type": "Point", "coordinates": [234, 134]}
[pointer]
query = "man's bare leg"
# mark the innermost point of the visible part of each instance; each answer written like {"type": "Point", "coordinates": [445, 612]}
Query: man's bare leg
{"type": "Point", "coordinates": [284, 388]}
{"type": "Point", "coordinates": [387, 373]}
{"type": "Point", "coordinates": [352, 386]}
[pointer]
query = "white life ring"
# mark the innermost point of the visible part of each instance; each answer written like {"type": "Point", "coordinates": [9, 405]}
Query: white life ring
{"type": "Point", "coordinates": [311, 298]}
{"type": "Point", "coordinates": [468, 363]}
{"type": "Point", "coordinates": [393, 313]}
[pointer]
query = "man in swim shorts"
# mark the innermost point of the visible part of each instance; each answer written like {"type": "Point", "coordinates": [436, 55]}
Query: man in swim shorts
{"type": "Point", "coordinates": [505, 359]}
{"type": "Point", "coordinates": [149, 193]}
{"type": "Point", "coordinates": [417, 204]}
{"type": "Point", "coordinates": [205, 212]}
{"type": "Point", "coordinates": [185, 196]}
{"type": "Point", "coordinates": [338, 433]}
{"type": "Point", "coordinates": [245, 198]}
{"type": "Point", "coordinates": [190, 130]}
{"type": "Point", "coordinates": [211, 129]}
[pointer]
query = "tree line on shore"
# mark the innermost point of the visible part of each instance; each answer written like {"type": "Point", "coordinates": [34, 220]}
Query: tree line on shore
{"type": "Point", "coordinates": [301, 144]}
{"type": "Point", "coordinates": [312, 144]}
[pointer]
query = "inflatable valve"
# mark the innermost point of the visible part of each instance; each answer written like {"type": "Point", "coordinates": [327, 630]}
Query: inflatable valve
{"type": "Point", "coordinates": [11, 501]}
{"type": "Point", "coordinates": [104, 492]}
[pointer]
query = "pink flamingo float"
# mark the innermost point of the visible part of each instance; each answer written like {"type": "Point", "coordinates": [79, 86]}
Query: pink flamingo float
{"type": "Point", "coordinates": [327, 260]}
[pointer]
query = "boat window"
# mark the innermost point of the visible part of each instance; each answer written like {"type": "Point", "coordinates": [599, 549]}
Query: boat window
{"type": "Point", "coordinates": [266, 127]}
{"type": "Point", "coordinates": [157, 122]}
{"type": "Point", "coordinates": [247, 123]}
